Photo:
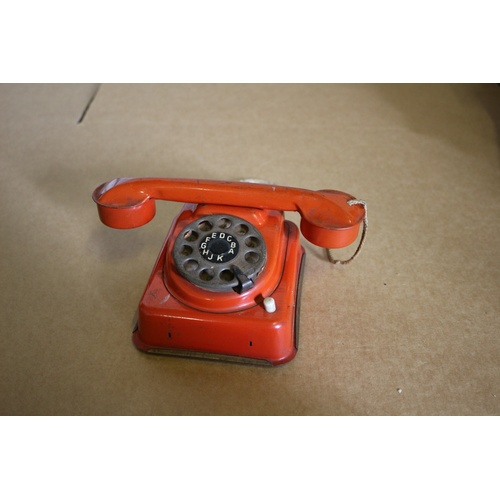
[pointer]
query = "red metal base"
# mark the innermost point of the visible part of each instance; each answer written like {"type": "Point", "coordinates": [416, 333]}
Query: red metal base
{"type": "Point", "coordinates": [252, 335]}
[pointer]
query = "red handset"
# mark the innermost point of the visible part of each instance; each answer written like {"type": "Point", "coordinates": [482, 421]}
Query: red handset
{"type": "Point", "coordinates": [226, 283]}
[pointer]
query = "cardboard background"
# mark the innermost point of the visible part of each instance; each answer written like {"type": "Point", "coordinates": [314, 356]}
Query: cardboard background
{"type": "Point", "coordinates": [417, 311]}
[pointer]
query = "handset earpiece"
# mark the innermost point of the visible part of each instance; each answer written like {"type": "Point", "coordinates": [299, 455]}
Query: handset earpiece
{"type": "Point", "coordinates": [328, 228]}
{"type": "Point", "coordinates": [122, 204]}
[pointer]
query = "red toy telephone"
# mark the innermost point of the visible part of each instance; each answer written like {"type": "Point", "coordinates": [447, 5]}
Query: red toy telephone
{"type": "Point", "coordinates": [226, 283]}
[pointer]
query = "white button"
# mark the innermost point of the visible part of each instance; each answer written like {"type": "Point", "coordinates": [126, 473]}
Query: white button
{"type": "Point", "coordinates": [269, 305]}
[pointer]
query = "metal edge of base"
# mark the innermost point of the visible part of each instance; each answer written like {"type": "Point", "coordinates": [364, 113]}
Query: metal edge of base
{"type": "Point", "coordinates": [227, 358]}
{"type": "Point", "coordinates": [296, 326]}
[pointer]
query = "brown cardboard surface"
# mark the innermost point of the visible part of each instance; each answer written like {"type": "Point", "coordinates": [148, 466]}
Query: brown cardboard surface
{"type": "Point", "coordinates": [409, 328]}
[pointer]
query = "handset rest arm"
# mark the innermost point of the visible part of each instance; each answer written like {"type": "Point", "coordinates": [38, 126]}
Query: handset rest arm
{"type": "Point", "coordinates": [327, 219]}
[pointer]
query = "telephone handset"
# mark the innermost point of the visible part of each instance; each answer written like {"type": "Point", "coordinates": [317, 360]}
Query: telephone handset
{"type": "Point", "coordinates": [226, 283]}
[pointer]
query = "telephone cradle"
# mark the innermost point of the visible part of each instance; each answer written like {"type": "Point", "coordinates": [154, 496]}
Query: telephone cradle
{"type": "Point", "coordinates": [226, 285]}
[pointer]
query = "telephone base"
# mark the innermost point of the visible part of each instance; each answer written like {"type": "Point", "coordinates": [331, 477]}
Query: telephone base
{"type": "Point", "coordinates": [251, 336]}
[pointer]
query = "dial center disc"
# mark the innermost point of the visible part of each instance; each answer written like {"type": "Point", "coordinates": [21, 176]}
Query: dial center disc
{"type": "Point", "coordinates": [219, 247]}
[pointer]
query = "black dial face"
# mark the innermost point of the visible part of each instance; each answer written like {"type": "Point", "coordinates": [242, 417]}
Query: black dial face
{"type": "Point", "coordinates": [219, 247]}
{"type": "Point", "coordinates": [220, 252]}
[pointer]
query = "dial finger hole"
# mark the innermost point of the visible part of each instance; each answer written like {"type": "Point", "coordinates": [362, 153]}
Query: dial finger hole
{"type": "Point", "coordinates": [207, 274]}
{"type": "Point", "coordinates": [186, 250]}
{"type": "Point", "coordinates": [241, 229]}
{"type": "Point", "coordinates": [226, 275]}
{"type": "Point", "coordinates": [252, 242]}
{"type": "Point", "coordinates": [252, 257]}
{"type": "Point", "coordinates": [205, 225]}
{"type": "Point", "coordinates": [224, 223]}
{"type": "Point", "coordinates": [190, 235]}
{"type": "Point", "coordinates": [190, 265]}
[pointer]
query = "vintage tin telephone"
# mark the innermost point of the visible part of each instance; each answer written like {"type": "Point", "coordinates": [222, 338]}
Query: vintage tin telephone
{"type": "Point", "coordinates": [226, 283]}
